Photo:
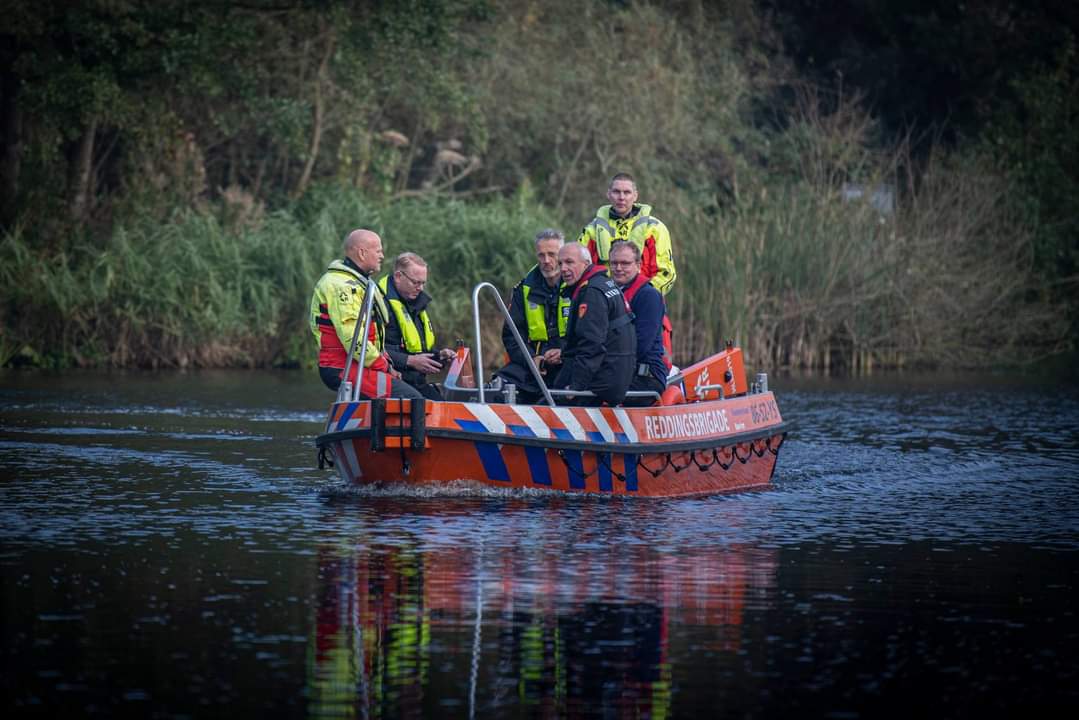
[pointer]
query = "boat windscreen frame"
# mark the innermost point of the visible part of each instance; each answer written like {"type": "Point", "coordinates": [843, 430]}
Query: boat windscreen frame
{"type": "Point", "coordinates": [516, 336]}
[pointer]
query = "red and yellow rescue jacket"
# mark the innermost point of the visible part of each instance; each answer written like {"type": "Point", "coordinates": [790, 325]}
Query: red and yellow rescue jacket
{"type": "Point", "coordinates": [335, 309]}
{"type": "Point", "coordinates": [642, 229]}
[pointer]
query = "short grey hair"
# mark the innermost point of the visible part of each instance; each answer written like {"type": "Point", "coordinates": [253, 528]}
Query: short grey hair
{"type": "Point", "coordinates": [584, 253]}
{"type": "Point", "coordinates": [625, 245]}
{"type": "Point", "coordinates": [549, 234]}
{"type": "Point", "coordinates": [406, 260]}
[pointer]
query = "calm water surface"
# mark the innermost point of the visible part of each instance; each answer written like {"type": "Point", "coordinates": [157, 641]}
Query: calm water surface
{"type": "Point", "coordinates": [168, 549]}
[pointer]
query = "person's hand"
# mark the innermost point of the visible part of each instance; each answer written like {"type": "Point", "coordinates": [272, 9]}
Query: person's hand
{"type": "Point", "coordinates": [446, 355]}
{"type": "Point", "coordinates": [553, 356]}
{"type": "Point", "coordinates": [424, 363]}
{"type": "Point", "coordinates": [395, 374]}
{"type": "Point", "coordinates": [539, 364]}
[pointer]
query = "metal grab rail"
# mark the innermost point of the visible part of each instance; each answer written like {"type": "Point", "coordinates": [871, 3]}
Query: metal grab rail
{"type": "Point", "coordinates": [516, 336]}
{"type": "Point", "coordinates": [705, 388]}
{"type": "Point", "coordinates": [353, 393]}
{"type": "Point", "coordinates": [588, 393]}
{"type": "Point", "coordinates": [547, 393]}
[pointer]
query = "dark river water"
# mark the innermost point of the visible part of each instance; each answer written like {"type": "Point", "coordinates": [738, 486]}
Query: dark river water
{"type": "Point", "coordinates": [169, 549]}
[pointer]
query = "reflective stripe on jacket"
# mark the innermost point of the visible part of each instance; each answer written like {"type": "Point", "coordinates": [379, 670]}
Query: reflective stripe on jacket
{"type": "Point", "coordinates": [648, 233]}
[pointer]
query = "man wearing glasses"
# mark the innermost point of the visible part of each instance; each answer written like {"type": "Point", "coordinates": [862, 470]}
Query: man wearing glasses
{"type": "Point", "coordinates": [653, 339]}
{"type": "Point", "coordinates": [410, 339]}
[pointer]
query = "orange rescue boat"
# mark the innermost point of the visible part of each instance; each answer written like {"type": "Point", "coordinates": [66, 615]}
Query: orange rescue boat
{"type": "Point", "coordinates": [710, 432]}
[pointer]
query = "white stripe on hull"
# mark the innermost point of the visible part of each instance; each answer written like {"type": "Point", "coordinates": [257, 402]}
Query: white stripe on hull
{"type": "Point", "coordinates": [487, 417]}
{"type": "Point", "coordinates": [601, 424]}
{"type": "Point", "coordinates": [627, 424]}
{"type": "Point", "coordinates": [532, 419]}
{"type": "Point", "coordinates": [570, 421]}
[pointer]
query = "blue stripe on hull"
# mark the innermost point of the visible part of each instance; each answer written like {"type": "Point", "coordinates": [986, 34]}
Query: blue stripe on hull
{"type": "Point", "coordinates": [574, 466]}
{"type": "Point", "coordinates": [537, 457]}
{"type": "Point", "coordinates": [537, 465]}
{"type": "Point", "coordinates": [490, 455]}
{"type": "Point", "coordinates": [603, 464]}
{"type": "Point", "coordinates": [630, 470]}
{"type": "Point", "coordinates": [350, 410]}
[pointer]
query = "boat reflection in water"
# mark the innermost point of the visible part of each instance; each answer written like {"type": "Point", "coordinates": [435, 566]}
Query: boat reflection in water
{"type": "Point", "coordinates": [407, 627]}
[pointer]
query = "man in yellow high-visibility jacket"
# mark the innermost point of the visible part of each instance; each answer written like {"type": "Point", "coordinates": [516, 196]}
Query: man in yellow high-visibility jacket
{"type": "Point", "coordinates": [336, 305]}
{"type": "Point", "coordinates": [540, 313]}
{"type": "Point", "coordinates": [410, 339]}
{"type": "Point", "coordinates": [626, 219]}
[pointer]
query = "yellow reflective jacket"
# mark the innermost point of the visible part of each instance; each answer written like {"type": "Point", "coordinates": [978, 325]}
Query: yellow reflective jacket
{"type": "Point", "coordinates": [642, 229]}
{"type": "Point", "coordinates": [336, 305]}
{"type": "Point", "coordinates": [410, 335]}
{"type": "Point", "coordinates": [535, 311]}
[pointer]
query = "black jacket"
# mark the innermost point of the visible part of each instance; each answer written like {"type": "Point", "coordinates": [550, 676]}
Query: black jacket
{"type": "Point", "coordinates": [540, 293]}
{"type": "Point", "coordinates": [601, 346]}
{"type": "Point", "coordinates": [395, 344]}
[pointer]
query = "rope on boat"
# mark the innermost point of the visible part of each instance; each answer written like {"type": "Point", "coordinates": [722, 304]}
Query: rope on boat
{"type": "Point", "coordinates": [325, 458]}
{"type": "Point", "coordinates": [406, 466]}
{"type": "Point", "coordinates": [755, 447]}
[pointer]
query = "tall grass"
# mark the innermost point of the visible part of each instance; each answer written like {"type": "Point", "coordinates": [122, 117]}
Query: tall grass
{"type": "Point", "coordinates": [788, 267]}
{"type": "Point", "coordinates": [801, 276]}
{"type": "Point", "coordinates": [193, 292]}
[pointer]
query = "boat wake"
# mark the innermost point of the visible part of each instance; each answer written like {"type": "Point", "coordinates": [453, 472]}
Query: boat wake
{"type": "Point", "coordinates": [455, 488]}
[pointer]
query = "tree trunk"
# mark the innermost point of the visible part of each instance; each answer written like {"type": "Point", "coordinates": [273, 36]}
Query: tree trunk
{"type": "Point", "coordinates": [10, 162]}
{"type": "Point", "coordinates": [82, 172]}
{"type": "Point", "coordinates": [316, 130]}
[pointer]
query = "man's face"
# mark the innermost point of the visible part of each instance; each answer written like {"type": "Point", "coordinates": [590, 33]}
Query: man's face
{"type": "Point", "coordinates": [410, 281]}
{"type": "Point", "coordinates": [547, 259]}
{"type": "Point", "coordinates": [571, 264]}
{"type": "Point", "coordinates": [623, 266]}
{"type": "Point", "coordinates": [622, 194]}
{"type": "Point", "coordinates": [369, 254]}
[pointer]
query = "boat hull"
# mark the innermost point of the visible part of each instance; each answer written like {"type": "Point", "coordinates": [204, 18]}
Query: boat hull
{"type": "Point", "coordinates": [703, 448]}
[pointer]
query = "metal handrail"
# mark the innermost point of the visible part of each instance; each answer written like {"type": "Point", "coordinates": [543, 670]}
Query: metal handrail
{"type": "Point", "coordinates": [354, 391]}
{"type": "Point", "coordinates": [589, 393]}
{"type": "Point", "coordinates": [516, 336]}
{"type": "Point", "coordinates": [705, 388]}
{"type": "Point", "coordinates": [362, 327]}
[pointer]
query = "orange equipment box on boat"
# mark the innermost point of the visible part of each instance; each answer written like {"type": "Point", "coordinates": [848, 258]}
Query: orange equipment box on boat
{"type": "Point", "coordinates": [721, 375]}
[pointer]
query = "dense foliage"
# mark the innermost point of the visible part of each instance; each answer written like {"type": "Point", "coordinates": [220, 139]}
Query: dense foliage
{"type": "Point", "coordinates": [175, 173]}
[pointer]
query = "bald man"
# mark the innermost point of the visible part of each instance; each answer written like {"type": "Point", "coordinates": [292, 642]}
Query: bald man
{"type": "Point", "coordinates": [336, 306]}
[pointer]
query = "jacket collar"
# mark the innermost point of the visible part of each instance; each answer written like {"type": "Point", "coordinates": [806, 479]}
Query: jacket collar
{"type": "Point", "coordinates": [607, 212]}
{"type": "Point", "coordinates": [593, 270]}
{"type": "Point", "coordinates": [348, 267]}
{"type": "Point", "coordinates": [630, 289]}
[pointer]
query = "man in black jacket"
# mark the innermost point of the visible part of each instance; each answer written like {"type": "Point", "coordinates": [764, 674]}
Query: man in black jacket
{"type": "Point", "coordinates": [410, 339]}
{"type": "Point", "coordinates": [540, 313]}
{"type": "Point", "coordinates": [601, 345]}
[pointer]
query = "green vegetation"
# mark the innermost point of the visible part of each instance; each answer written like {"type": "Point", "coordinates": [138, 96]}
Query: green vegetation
{"type": "Point", "coordinates": [176, 174]}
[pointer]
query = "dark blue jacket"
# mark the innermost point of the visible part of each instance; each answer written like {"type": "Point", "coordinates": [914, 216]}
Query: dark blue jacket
{"type": "Point", "coordinates": [648, 309]}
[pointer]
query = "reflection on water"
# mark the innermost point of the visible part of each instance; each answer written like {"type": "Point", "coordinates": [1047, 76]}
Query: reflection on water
{"type": "Point", "coordinates": [408, 630]}
{"type": "Point", "coordinates": [168, 549]}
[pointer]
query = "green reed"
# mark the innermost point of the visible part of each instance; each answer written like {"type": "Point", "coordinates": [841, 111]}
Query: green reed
{"type": "Point", "coordinates": [194, 291]}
